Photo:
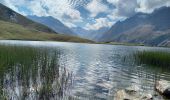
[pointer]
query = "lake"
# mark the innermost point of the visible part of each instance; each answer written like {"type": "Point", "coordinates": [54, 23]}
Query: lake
{"type": "Point", "coordinates": [33, 70]}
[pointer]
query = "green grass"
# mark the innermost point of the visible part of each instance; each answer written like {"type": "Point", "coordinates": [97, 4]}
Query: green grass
{"type": "Point", "coordinates": [36, 67]}
{"type": "Point", "coordinates": [12, 31]}
{"type": "Point", "coordinates": [153, 58]}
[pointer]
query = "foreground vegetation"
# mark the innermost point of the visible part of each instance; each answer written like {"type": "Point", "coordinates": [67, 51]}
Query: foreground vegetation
{"type": "Point", "coordinates": [28, 73]}
{"type": "Point", "coordinates": [12, 31]}
{"type": "Point", "coordinates": [154, 58]}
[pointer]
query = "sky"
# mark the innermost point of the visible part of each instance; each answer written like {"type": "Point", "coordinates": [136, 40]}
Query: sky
{"type": "Point", "coordinates": [88, 14]}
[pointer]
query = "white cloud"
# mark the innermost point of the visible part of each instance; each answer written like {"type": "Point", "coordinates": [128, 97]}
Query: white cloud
{"type": "Point", "coordinates": [37, 9]}
{"type": "Point", "coordinates": [147, 6]}
{"type": "Point", "coordinates": [115, 17]}
{"type": "Point", "coordinates": [72, 15]}
{"type": "Point", "coordinates": [9, 4]}
{"type": "Point", "coordinates": [100, 23]}
{"type": "Point", "coordinates": [124, 7]}
{"type": "Point", "coordinates": [95, 7]}
{"type": "Point", "coordinates": [55, 8]}
{"type": "Point", "coordinates": [70, 24]}
{"type": "Point", "coordinates": [66, 10]}
{"type": "Point", "coordinates": [114, 2]}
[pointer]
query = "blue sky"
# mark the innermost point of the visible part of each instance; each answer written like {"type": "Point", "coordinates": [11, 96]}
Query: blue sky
{"type": "Point", "coordinates": [88, 14]}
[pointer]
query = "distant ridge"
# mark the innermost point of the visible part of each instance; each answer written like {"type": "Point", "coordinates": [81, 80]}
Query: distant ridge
{"type": "Point", "coordinates": [149, 29]}
{"type": "Point", "coordinates": [54, 24]}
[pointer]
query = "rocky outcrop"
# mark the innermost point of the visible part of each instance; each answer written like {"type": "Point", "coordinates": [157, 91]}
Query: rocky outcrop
{"type": "Point", "coordinates": [132, 93]}
{"type": "Point", "coordinates": [163, 87]}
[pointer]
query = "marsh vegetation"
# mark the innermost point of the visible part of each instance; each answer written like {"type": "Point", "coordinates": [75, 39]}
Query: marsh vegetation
{"type": "Point", "coordinates": [39, 70]}
{"type": "Point", "coordinates": [28, 73]}
{"type": "Point", "coordinates": [153, 58]}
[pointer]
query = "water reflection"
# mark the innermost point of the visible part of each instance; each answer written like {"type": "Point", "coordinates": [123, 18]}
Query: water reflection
{"type": "Point", "coordinates": [76, 71]}
{"type": "Point", "coordinates": [33, 74]}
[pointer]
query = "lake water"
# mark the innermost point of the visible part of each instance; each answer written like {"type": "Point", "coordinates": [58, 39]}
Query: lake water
{"type": "Point", "coordinates": [95, 71]}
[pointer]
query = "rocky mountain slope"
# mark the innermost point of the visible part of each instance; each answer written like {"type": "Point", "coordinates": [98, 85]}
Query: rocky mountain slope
{"type": "Point", "coordinates": [54, 24]}
{"type": "Point", "coordinates": [149, 29]}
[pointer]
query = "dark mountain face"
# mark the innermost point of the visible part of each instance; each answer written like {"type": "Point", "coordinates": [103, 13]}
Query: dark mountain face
{"type": "Point", "coordinates": [160, 18]}
{"type": "Point", "coordinates": [141, 28]}
{"type": "Point", "coordinates": [53, 23]}
{"type": "Point", "coordinates": [8, 15]}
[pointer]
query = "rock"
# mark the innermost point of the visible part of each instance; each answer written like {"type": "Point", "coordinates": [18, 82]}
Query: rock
{"type": "Point", "coordinates": [166, 93]}
{"type": "Point", "coordinates": [132, 93]}
{"type": "Point", "coordinates": [163, 87]}
{"type": "Point", "coordinates": [147, 97]}
{"type": "Point", "coordinates": [132, 89]}
{"type": "Point", "coordinates": [120, 95]}
{"type": "Point", "coordinates": [105, 85]}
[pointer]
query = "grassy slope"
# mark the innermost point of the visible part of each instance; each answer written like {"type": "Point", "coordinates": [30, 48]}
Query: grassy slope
{"type": "Point", "coordinates": [8, 15]}
{"type": "Point", "coordinates": [14, 31]}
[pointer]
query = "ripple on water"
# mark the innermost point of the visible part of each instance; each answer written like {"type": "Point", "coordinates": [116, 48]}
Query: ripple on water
{"type": "Point", "coordinates": [99, 70]}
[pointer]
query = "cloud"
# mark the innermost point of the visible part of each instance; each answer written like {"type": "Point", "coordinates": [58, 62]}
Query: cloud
{"type": "Point", "coordinates": [72, 15]}
{"type": "Point", "coordinates": [147, 6]}
{"type": "Point", "coordinates": [99, 23]}
{"type": "Point", "coordinates": [113, 1]}
{"type": "Point", "coordinates": [71, 25]}
{"type": "Point", "coordinates": [55, 8]}
{"type": "Point", "coordinates": [129, 7]}
{"type": "Point", "coordinates": [10, 5]}
{"type": "Point", "coordinates": [124, 7]}
{"type": "Point", "coordinates": [95, 7]}
{"type": "Point", "coordinates": [37, 8]}
{"type": "Point", "coordinates": [69, 13]}
{"type": "Point", "coordinates": [115, 17]}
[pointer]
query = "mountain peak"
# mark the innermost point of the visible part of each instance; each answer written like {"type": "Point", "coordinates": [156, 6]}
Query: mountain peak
{"type": "Point", "coordinates": [53, 23]}
{"type": "Point", "coordinates": [9, 15]}
{"type": "Point", "coordinates": [145, 28]}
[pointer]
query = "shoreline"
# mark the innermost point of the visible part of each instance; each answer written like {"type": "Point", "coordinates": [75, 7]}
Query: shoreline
{"type": "Point", "coordinates": [103, 43]}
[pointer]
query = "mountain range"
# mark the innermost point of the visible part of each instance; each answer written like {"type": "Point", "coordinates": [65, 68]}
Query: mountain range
{"type": "Point", "coordinates": [150, 29]}
{"type": "Point", "coordinates": [89, 34]}
{"type": "Point", "coordinates": [60, 28]}
{"type": "Point", "coordinates": [16, 26]}
{"type": "Point", "coordinates": [54, 24]}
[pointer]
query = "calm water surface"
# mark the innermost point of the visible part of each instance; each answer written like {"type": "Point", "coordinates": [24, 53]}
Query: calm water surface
{"type": "Point", "coordinates": [97, 71]}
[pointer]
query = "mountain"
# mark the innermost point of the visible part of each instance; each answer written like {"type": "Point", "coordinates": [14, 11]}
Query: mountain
{"type": "Point", "coordinates": [8, 15]}
{"type": "Point", "coordinates": [53, 23]}
{"type": "Point", "coordinates": [149, 29]}
{"type": "Point", "coordinates": [89, 34]}
{"type": "Point", "coordinates": [15, 26]}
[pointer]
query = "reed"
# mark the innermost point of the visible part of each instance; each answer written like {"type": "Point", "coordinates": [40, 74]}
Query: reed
{"type": "Point", "coordinates": [154, 58]}
{"type": "Point", "coordinates": [32, 73]}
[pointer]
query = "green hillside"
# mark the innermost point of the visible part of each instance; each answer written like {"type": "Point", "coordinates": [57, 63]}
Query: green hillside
{"type": "Point", "coordinates": [8, 15]}
{"type": "Point", "coordinates": [14, 31]}
{"type": "Point", "coordinates": [14, 26]}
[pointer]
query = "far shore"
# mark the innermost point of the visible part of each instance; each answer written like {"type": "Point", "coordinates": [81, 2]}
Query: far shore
{"type": "Point", "coordinates": [91, 42]}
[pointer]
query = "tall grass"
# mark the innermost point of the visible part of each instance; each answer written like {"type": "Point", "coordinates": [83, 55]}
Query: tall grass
{"type": "Point", "coordinates": [32, 73]}
{"type": "Point", "coordinates": [154, 58]}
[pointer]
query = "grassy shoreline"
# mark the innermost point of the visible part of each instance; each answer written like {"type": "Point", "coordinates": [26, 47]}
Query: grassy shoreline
{"type": "Point", "coordinates": [153, 58]}
{"type": "Point", "coordinates": [87, 42]}
{"type": "Point", "coordinates": [37, 70]}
